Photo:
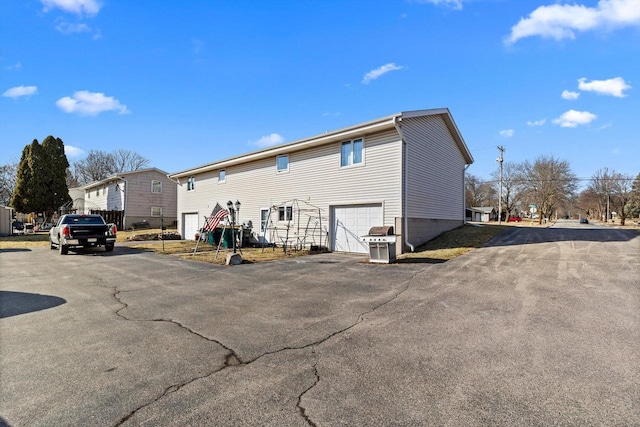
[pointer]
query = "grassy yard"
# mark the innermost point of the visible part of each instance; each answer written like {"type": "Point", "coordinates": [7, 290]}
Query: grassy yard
{"type": "Point", "coordinates": [445, 247]}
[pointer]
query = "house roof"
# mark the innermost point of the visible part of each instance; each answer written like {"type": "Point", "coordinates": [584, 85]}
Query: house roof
{"type": "Point", "coordinates": [483, 209]}
{"type": "Point", "coordinates": [119, 175]}
{"type": "Point", "coordinates": [380, 124]}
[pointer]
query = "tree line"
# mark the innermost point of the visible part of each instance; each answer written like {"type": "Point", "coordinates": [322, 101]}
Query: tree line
{"type": "Point", "coordinates": [40, 181]}
{"type": "Point", "coordinates": [550, 185]}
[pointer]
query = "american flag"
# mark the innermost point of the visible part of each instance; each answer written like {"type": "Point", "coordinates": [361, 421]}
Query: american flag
{"type": "Point", "coordinates": [214, 219]}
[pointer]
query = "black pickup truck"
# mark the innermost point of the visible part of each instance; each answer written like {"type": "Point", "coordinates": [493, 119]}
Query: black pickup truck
{"type": "Point", "coordinates": [84, 231]}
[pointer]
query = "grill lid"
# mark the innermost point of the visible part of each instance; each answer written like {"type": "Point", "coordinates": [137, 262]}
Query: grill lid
{"type": "Point", "coordinates": [381, 230]}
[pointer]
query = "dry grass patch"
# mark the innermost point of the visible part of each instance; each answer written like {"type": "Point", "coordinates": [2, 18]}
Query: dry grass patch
{"type": "Point", "coordinates": [453, 243]}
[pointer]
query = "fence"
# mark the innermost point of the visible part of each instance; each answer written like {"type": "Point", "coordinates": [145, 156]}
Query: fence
{"type": "Point", "coordinates": [116, 217]}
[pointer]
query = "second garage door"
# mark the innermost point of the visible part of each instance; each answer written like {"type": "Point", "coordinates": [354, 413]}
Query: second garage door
{"type": "Point", "coordinates": [352, 222]}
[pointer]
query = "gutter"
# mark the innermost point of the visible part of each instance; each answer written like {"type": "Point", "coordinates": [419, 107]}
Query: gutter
{"type": "Point", "coordinates": [124, 206]}
{"type": "Point", "coordinates": [405, 226]}
{"type": "Point", "coordinates": [464, 193]}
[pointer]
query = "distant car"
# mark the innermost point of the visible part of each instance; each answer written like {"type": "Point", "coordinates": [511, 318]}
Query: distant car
{"type": "Point", "coordinates": [584, 221]}
{"type": "Point", "coordinates": [18, 226]}
{"type": "Point", "coordinates": [515, 219]}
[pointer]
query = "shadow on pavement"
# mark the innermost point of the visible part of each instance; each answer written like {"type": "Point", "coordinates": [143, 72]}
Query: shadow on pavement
{"type": "Point", "coordinates": [16, 303]}
{"type": "Point", "coordinates": [15, 250]}
{"type": "Point", "coordinates": [525, 236]}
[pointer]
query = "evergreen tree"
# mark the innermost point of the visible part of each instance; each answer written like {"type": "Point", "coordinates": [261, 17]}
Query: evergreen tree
{"type": "Point", "coordinates": [41, 183]}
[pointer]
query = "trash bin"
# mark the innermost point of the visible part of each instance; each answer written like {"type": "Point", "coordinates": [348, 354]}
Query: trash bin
{"type": "Point", "coordinates": [227, 241]}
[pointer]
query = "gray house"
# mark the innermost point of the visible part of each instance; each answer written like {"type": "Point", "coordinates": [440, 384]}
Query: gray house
{"type": "Point", "coordinates": [143, 195]}
{"type": "Point", "coordinates": [405, 170]}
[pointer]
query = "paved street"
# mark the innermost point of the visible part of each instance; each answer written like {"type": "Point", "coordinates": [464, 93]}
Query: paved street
{"type": "Point", "coordinates": [541, 327]}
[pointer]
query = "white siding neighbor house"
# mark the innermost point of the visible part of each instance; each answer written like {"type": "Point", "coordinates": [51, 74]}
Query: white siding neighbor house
{"type": "Point", "coordinates": [143, 195]}
{"type": "Point", "coordinates": [405, 170]}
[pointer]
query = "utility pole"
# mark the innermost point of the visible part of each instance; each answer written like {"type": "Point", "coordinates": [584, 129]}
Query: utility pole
{"type": "Point", "coordinates": [500, 160]}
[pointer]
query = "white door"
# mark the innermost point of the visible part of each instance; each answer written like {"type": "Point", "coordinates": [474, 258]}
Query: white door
{"type": "Point", "coordinates": [190, 222]}
{"type": "Point", "coordinates": [264, 225]}
{"type": "Point", "coordinates": [352, 222]}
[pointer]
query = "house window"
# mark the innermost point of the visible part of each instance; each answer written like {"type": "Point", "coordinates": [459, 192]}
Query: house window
{"type": "Point", "coordinates": [285, 213]}
{"type": "Point", "coordinates": [98, 191]}
{"type": "Point", "coordinates": [351, 153]}
{"type": "Point", "coordinates": [222, 176]}
{"type": "Point", "coordinates": [191, 183]}
{"type": "Point", "coordinates": [156, 211]}
{"type": "Point", "coordinates": [156, 186]}
{"type": "Point", "coordinates": [282, 163]}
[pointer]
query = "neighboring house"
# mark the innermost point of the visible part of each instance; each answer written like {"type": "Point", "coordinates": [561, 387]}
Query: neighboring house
{"type": "Point", "coordinates": [77, 201]}
{"type": "Point", "coordinates": [482, 214]}
{"type": "Point", "coordinates": [143, 195]}
{"type": "Point", "coordinates": [405, 170]}
{"type": "Point", "coordinates": [6, 218]}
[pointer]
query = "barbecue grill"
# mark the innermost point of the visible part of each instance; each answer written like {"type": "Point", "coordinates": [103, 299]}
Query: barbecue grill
{"type": "Point", "coordinates": [382, 244]}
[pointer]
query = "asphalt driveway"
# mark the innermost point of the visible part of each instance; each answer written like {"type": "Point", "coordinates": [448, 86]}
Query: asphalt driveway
{"type": "Point", "coordinates": [540, 327]}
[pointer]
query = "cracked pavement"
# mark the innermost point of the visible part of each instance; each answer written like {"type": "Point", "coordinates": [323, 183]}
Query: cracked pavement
{"type": "Point", "coordinates": [536, 328]}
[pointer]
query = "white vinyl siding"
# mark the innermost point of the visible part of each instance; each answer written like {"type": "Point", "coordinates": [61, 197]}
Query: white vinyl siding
{"type": "Point", "coordinates": [435, 169]}
{"type": "Point", "coordinates": [315, 176]}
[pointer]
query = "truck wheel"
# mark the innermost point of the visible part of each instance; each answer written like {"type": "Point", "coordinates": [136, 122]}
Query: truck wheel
{"type": "Point", "coordinates": [108, 248]}
{"type": "Point", "coordinates": [51, 245]}
{"type": "Point", "coordinates": [63, 249]}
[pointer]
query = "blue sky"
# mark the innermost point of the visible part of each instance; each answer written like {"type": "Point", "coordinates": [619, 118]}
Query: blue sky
{"type": "Point", "coordinates": [185, 83]}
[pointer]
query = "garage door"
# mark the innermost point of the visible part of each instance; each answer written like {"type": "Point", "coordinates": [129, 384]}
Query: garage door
{"type": "Point", "coordinates": [190, 222]}
{"type": "Point", "coordinates": [352, 222]}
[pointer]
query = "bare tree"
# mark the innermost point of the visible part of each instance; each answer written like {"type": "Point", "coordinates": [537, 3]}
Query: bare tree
{"type": "Point", "coordinates": [622, 196]}
{"type": "Point", "coordinates": [98, 165]}
{"type": "Point", "coordinates": [477, 192]}
{"type": "Point", "coordinates": [601, 188]}
{"type": "Point", "coordinates": [127, 161]}
{"type": "Point", "coordinates": [546, 182]}
{"type": "Point", "coordinates": [511, 186]}
{"type": "Point", "coordinates": [8, 179]}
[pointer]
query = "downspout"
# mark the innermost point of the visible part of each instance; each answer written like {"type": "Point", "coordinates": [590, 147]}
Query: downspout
{"type": "Point", "coordinates": [124, 206]}
{"type": "Point", "coordinates": [464, 193]}
{"type": "Point", "coordinates": [405, 225]}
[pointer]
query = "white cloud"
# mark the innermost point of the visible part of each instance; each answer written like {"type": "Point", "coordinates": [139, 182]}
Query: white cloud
{"type": "Point", "coordinates": [67, 28]}
{"type": "Point", "coordinates": [453, 4]}
{"type": "Point", "coordinates": [77, 7]}
{"type": "Point", "coordinates": [614, 87]}
{"type": "Point", "coordinates": [269, 140]}
{"type": "Point", "coordinates": [380, 71]}
{"type": "Point", "coordinates": [72, 151]}
{"type": "Point", "coordinates": [562, 21]}
{"type": "Point", "coordinates": [573, 118]}
{"type": "Point", "coordinates": [88, 103]}
{"type": "Point", "coordinates": [567, 94]}
{"type": "Point", "coordinates": [18, 91]}
{"type": "Point", "coordinates": [537, 122]}
{"type": "Point", "coordinates": [16, 66]}
{"type": "Point", "coordinates": [507, 133]}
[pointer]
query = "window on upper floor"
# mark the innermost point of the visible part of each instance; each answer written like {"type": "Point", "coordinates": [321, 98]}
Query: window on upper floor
{"type": "Point", "coordinates": [351, 153]}
{"type": "Point", "coordinates": [156, 186]}
{"type": "Point", "coordinates": [222, 176]}
{"type": "Point", "coordinates": [282, 163]}
{"type": "Point", "coordinates": [191, 183]}
{"type": "Point", "coordinates": [156, 211]}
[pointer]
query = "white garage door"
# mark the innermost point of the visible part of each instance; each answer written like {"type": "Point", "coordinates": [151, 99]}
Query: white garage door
{"type": "Point", "coordinates": [190, 226]}
{"type": "Point", "coordinates": [352, 222]}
